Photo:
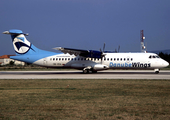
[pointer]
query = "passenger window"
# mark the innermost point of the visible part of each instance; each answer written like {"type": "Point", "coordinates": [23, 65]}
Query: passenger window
{"type": "Point", "coordinates": [124, 59]}
{"type": "Point", "coordinates": [111, 59]}
{"type": "Point", "coordinates": [117, 59]}
{"type": "Point", "coordinates": [114, 59]}
{"type": "Point", "coordinates": [104, 59]}
{"type": "Point", "coordinates": [53, 58]}
{"type": "Point", "coordinates": [120, 59]}
{"type": "Point", "coordinates": [107, 59]}
{"type": "Point", "coordinates": [62, 58]}
{"type": "Point", "coordinates": [65, 58]}
{"type": "Point", "coordinates": [68, 58]}
{"type": "Point", "coordinates": [56, 58]}
{"type": "Point", "coordinates": [131, 59]}
{"type": "Point", "coordinates": [59, 58]}
{"type": "Point", "coordinates": [150, 56]}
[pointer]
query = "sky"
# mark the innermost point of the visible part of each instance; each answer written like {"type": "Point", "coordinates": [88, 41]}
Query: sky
{"type": "Point", "coordinates": [87, 24]}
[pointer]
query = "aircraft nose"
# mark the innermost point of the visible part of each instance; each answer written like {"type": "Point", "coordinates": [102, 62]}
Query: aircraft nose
{"type": "Point", "coordinates": [165, 63]}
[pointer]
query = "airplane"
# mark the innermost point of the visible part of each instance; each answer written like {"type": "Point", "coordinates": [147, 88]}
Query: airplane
{"type": "Point", "coordinates": [85, 60]}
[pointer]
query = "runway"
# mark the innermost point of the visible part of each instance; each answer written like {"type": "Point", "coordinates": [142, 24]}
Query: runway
{"type": "Point", "coordinates": [74, 74]}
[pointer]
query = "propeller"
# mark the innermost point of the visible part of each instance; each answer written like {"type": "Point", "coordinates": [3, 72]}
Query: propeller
{"type": "Point", "coordinates": [102, 52]}
{"type": "Point", "coordinates": [117, 51]}
{"type": "Point", "coordinates": [103, 47]}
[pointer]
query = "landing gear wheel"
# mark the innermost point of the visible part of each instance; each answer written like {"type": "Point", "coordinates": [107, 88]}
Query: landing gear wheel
{"type": "Point", "coordinates": [85, 71]}
{"type": "Point", "coordinates": [156, 71]}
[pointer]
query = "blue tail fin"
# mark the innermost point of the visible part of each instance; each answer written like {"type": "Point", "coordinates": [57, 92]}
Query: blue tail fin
{"type": "Point", "coordinates": [24, 50]}
{"type": "Point", "coordinates": [20, 43]}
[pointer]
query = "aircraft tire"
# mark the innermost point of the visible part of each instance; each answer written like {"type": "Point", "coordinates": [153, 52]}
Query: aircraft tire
{"type": "Point", "coordinates": [85, 71]}
{"type": "Point", "coordinates": [157, 71]}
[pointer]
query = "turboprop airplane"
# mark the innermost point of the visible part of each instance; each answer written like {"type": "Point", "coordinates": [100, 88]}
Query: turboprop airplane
{"type": "Point", "coordinates": [86, 60]}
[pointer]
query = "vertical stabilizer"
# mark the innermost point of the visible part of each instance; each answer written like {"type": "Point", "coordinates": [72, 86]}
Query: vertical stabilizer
{"type": "Point", "coordinates": [24, 49]}
{"type": "Point", "coordinates": [20, 43]}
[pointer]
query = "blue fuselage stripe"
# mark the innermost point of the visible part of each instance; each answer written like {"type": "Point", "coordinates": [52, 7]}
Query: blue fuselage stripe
{"type": "Point", "coordinates": [33, 57]}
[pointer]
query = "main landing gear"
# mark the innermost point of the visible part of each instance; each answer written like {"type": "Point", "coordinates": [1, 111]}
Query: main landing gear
{"type": "Point", "coordinates": [86, 71]}
{"type": "Point", "coordinates": [156, 71]}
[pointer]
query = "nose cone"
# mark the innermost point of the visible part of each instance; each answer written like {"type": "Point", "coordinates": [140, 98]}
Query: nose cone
{"type": "Point", "coordinates": [165, 63]}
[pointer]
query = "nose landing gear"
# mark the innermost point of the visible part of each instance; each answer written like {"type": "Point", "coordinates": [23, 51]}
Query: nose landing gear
{"type": "Point", "coordinates": [156, 71]}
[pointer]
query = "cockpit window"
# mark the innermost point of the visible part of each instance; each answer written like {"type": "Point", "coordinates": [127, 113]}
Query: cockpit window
{"type": "Point", "coordinates": [152, 56]}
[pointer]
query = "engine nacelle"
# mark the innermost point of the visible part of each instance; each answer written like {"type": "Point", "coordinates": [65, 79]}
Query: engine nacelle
{"type": "Point", "coordinates": [100, 67]}
{"type": "Point", "coordinates": [92, 54]}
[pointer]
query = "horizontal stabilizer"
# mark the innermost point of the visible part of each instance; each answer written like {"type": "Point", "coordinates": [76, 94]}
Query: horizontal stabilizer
{"type": "Point", "coordinates": [14, 31]}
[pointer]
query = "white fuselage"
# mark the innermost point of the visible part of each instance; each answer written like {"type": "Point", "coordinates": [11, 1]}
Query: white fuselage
{"type": "Point", "coordinates": [110, 61]}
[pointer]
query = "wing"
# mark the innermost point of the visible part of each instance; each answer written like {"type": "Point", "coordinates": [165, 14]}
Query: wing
{"type": "Point", "coordinates": [84, 53]}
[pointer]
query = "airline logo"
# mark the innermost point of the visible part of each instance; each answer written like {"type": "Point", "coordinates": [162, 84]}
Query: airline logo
{"type": "Point", "coordinates": [134, 64]}
{"type": "Point", "coordinates": [120, 64]}
{"type": "Point", "coordinates": [21, 45]}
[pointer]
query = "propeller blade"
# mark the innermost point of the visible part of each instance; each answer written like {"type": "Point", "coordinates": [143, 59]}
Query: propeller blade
{"type": "Point", "coordinates": [102, 55]}
{"type": "Point", "coordinates": [103, 47]}
{"type": "Point", "coordinates": [118, 48]}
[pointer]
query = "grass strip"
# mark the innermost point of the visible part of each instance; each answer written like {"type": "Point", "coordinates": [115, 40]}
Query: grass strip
{"type": "Point", "coordinates": [84, 99]}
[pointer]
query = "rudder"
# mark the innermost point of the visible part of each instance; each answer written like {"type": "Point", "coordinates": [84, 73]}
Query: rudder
{"type": "Point", "coordinates": [20, 43]}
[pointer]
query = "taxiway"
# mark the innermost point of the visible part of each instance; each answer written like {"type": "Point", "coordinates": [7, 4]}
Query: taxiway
{"type": "Point", "coordinates": [108, 74]}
